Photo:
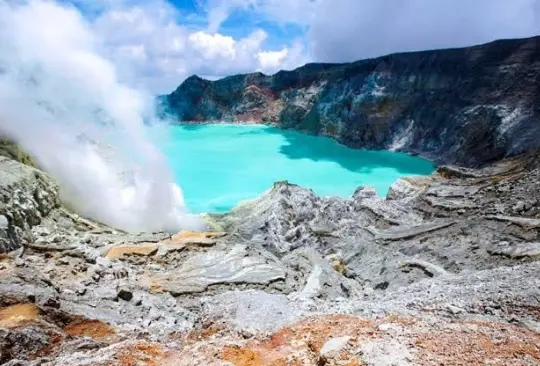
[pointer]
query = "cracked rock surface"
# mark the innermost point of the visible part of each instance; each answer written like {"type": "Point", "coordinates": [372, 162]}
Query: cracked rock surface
{"type": "Point", "coordinates": [444, 270]}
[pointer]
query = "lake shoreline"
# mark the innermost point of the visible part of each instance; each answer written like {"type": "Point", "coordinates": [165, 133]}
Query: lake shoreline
{"type": "Point", "coordinates": [315, 162]}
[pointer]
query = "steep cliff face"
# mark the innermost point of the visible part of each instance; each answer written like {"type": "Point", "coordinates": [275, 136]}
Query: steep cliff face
{"type": "Point", "coordinates": [465, 106]}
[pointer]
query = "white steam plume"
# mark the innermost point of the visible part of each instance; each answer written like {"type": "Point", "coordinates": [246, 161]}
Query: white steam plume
{"type": "Point", "coordinates": [62, 102]}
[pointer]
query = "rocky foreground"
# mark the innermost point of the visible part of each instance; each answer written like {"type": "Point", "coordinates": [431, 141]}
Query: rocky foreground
{"type": "Point", "coordinates": [443, 271]}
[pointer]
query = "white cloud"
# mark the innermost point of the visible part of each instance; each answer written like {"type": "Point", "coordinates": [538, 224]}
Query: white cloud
{"type": "Point", "coordinates": [158, 46]}
{"type": "Point", "coordinates": [135, 52]}
{"type": "Point", "coordinates": [60, 98]}
{"type": "Point", "coordinates": [212, 46]}
{"type": "Point", "coordinates": [157, 50]}
{"type": "Point", "coordinates": [272, 59]}
{"type": "Point", "coordinates": [300, 12]}
{"type": "Point", "coordinates": [219, 10]}
{"type": "Point", "coordinates": [346, 30]}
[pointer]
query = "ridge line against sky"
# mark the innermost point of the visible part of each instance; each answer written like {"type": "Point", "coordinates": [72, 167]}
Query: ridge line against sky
{"type": "Point", "coordinates": [156, 44]}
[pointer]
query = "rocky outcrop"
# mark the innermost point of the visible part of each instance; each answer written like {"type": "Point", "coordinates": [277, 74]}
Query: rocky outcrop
{"type": "Point", "coordinates": [26, 196]}
{"type": "Point", "coordinates": [291, 278]}
{"type": "Point", "coordinates": [466, 106]}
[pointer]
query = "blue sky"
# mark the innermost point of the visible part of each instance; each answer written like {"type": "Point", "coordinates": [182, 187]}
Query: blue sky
{"type": "Point", "coordinates": [241, 21]}
{"type": "Point", "coordinates": [159, 43]}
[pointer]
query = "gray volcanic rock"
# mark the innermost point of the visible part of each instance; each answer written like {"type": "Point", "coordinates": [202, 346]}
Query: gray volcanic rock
{"type": "Point", "coordinates": [211, 268]}
{"type": "Point", "coordinates": [447, 227]}
{"type": "Point", "coordinates": [453, 256]}
{"type": "Point", "coordinates": [466, 106]}
{"type": "Point", "coordinates": [26, 196]}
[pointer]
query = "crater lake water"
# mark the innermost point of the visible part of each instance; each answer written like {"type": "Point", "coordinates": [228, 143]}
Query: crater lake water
{"type": "Point", "coordinates": [220, 165]}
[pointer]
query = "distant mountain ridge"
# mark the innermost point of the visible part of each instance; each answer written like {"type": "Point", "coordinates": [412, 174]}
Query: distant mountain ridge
{"type": "Point", "coordinates": [466, 106]}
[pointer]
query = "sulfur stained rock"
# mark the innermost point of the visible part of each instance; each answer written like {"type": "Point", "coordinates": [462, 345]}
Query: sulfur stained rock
{"type": "Point", "coordinates": [18, 314]}
{"type": "Point", "coordinates": [141, 249]}
{"type": "Point", "coordinates": [334, 346]}
{"type": "Point", "coordinates": [176, 242]}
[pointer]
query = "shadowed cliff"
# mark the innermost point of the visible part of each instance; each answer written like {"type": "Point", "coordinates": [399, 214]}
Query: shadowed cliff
{"type": "Point", "coordinates": [466, 106]}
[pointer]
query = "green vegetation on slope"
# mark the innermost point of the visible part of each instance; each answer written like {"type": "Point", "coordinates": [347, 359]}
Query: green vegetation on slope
{"type": "Point", "coordinates": [11, 150]}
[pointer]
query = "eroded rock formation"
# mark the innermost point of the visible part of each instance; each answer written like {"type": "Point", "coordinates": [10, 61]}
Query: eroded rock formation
{"type": "Point", "coordinates": [443, 271]}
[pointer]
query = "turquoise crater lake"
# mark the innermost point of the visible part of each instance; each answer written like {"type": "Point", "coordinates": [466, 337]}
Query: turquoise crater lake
{"type": "Point", "coordinates": [219, 165]}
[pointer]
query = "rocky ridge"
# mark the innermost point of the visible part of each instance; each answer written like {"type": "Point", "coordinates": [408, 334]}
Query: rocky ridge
{"type": "Point", "coordinates": [468, 106]}
{"type": "Point", "coordinates": [444, 270]}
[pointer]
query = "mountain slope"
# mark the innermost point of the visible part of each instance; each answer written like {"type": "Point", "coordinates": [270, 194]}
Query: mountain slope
{"type": "Point", "coordinates": [466, 106]}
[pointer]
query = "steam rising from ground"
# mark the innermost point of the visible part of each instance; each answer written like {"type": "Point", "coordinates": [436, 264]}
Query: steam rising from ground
{"type": "Point", "coordinates": [62, 102]}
